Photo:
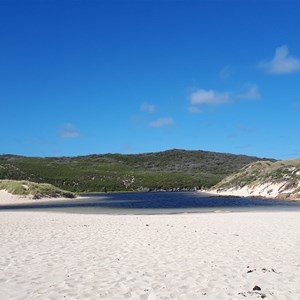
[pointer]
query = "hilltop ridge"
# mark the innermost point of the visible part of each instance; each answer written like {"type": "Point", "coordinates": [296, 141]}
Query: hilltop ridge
{"type": "Point", "coordinates": [173, 169]}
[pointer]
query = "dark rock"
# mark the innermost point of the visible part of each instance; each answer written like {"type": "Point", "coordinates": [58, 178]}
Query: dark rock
{"type": "Point", "coordinates": [242, 294]}
{"type": "Point", "coordinates": [256, 288]}
{"type": "Point", "coordinates": [250, 271]}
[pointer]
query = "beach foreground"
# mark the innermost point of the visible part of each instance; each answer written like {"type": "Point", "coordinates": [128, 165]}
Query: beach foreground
{"type": "Point", "coordinates": [187, 256]}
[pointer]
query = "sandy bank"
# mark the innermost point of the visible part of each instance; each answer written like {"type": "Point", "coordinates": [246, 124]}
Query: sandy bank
{"type": "Point", "coordinates": [248, 193]}
{"type": "Point", "coordinates": [195, 256]}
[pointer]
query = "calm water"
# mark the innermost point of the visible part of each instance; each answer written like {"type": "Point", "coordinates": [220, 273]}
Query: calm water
{"type": "Point", "coordinates": [158, 203]}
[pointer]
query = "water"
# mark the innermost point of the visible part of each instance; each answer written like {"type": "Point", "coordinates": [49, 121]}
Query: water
{"type": "Point", "coordinates": [158, 203]}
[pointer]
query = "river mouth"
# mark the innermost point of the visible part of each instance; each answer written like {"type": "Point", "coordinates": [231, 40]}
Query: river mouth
{"type": "Point", "coordinates": [157, 203]}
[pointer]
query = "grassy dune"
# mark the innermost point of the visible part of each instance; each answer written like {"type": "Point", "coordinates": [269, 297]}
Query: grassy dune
{"type": "Point", "coordinates": [281, 175]}
{"type": "Point", "coordinates": [37, 190]}
{"type": "Point", "coordinates": [264, 171]}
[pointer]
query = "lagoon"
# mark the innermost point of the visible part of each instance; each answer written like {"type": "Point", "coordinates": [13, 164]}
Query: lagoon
{"type": "Point", "coordinates": [157, 203]}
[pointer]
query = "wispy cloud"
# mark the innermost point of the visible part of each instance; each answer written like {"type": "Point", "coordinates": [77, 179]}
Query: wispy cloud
{"type": "Point", "coordinates": [194, 109]}
{"type": "Point", "coordinates": [162, 122]}
{"type": "Point", "coordinates": [250, 92]}
{"type": "Point", "coordinates": [209, 97]}
{"type": "Point", "coordinates": [150, 108]}
{"type": "Point", "coordinates": [213, 98]}
{"type": "Point", "coordinates": [245, 129]}
{"type": "Point", "coordinates": [231, 136]}
{"type": "Point", "coordinates": [68, 131]}
{"type": "Point", "coordinates": [282, 62]}
{"type": "Point", "coordinates": [225, 73]}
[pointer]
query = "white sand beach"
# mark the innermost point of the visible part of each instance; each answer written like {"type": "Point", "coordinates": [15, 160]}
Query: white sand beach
{"type": "Point", "coordinates": [46, 255]}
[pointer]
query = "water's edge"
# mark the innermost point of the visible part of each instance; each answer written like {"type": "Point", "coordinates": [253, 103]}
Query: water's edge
{"type": "Point", "coordinates": [157, 203]}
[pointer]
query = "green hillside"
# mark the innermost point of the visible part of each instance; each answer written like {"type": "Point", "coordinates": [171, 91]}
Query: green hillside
{"type": "Point", "coordinates": [115, 172]}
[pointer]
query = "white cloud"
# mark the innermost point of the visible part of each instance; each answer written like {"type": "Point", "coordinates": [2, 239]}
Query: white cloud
{"type": "Point", "coordinates": [282, 63]}
{"type": "Point", "coordinates": [194, 109]}
{"type": "Point", "coordinates": [209, 97]}
{"type": "Point", "coordinates": [251, 93]}
{"type": "Point", "coordinates": [150, 108]}
{"type": "Point", "coordinates": [68, 131]}
{"type": "Point", "coordinates": [162, 122]}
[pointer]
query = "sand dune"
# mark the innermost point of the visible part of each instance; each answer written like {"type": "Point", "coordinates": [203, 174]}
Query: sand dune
{"type": "Point", "coordinates": [193, 256]}
{"type": "Point", "coordinates": [266, 190]}
{"type": "Point", "coordinates": [7, 199]}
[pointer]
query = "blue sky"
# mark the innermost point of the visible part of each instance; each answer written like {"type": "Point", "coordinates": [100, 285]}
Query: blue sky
{"type": "Point", "coordinates": [82, 77]}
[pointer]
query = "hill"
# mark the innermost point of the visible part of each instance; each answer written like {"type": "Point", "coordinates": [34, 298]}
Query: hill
{"type": "Point", "coordinates": [280, 179]}
{"type": "Point", "coordinates": [168, 170]}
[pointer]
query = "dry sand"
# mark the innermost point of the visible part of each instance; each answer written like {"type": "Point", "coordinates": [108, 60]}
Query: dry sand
{"type": "Point", "coordinates": [47, 255]}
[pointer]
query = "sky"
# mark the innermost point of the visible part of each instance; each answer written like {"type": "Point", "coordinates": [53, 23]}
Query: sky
{"type": "Point", "coordinates": [83, 77]}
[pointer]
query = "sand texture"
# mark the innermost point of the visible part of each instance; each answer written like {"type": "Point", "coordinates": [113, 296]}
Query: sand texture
{"type": "Point", "coordinates": [189, 256]}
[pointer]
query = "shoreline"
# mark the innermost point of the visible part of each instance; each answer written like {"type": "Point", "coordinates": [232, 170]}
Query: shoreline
{"type": "Point", "coordinates": [230, 194]}
{"type": "Point", "coordinates": [9, 199]}
{"type": "Point", "coordinates": [100, 205]}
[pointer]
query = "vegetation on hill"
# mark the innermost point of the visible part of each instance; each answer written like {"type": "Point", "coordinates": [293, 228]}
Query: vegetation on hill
{"type": "Point", "coordinates": [172, 169]}
{"type": "Point", "coordinates": [37, 190]}
{"type": "Point", "coordinates": [266, 176]}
